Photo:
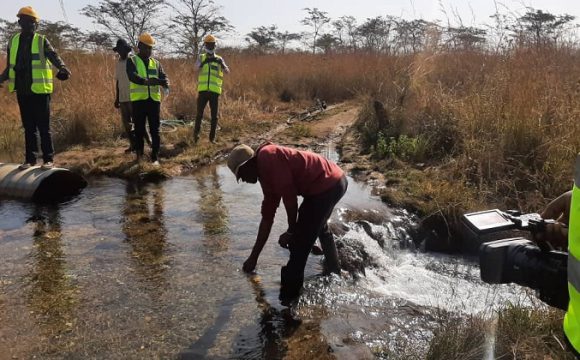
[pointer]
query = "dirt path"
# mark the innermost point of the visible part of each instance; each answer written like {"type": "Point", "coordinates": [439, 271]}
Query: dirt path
{"type": "Point", "coordinates": [180, 157]}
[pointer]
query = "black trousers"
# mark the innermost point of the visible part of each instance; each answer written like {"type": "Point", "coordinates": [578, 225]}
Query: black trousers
{"type": "Point", "coordinates": [313, 216]}
{"type": "Point", "coordinates": [35, 114]}
{"type": "Point", "coordinates": [203, 97]}
{"type": "Point", "coordinates": [147, 110]}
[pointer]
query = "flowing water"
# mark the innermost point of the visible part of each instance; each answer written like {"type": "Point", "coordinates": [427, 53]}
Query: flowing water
{"type": "Point", "coordinates": [154, 271]}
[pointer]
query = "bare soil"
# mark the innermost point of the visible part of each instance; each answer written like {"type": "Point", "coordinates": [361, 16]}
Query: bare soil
{"type": "Point", "coordinates": [184, 157]}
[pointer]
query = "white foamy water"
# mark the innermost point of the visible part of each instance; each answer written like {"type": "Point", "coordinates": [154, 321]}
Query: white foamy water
{"type": "Point", "coordinates": [442, 281]}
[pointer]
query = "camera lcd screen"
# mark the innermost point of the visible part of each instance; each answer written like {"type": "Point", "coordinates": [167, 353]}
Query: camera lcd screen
{"type": "Point", "coordinates": [488, 221]}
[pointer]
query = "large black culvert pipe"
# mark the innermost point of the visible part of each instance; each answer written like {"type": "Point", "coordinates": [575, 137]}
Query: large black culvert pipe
{"type": "Point", "coordinates": [38, 184]}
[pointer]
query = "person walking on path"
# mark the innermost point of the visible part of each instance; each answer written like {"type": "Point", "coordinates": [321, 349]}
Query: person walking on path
{"type": "Point", "coordinates": [30, 57]}
{"type": "Point", "coordinates": [211, 68]}
{"type": "Point", "coordinates": [147, 77]}
{"type": "Point", "coordinates": [284, 174]}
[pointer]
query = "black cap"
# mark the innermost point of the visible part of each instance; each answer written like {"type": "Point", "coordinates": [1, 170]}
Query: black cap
{"type": "Point", "coordinates": [121, 44]}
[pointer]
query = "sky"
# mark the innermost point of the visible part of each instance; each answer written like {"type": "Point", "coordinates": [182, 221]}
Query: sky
{"type": "Point", "coordinates": [248, 14]}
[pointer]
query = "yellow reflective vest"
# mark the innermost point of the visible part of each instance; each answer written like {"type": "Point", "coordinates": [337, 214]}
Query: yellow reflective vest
{"type": "Point", "coordinates": [211, 75]}
{"type": "Point", "coordinates": [42, 81]}
{"type": "Point", "coordinates": [572, 318]}
{"type": "Point", "coordinates": [144, 92]}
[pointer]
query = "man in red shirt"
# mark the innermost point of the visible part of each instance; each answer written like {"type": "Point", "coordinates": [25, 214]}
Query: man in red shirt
{"type": "Point", "coordinates": [285, 173]}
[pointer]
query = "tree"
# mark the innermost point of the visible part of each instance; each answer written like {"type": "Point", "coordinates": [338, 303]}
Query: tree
{"type": "Point", "coordinates": [283, 38]}
{"type": "Point", "coordinates": [346, 32]}
{"type": "Point", "coordinates": [540, 27]}
{"type": "Point", "coordinates": [98, 41]}
{"type": "Point", "coordinates": [375, 33]}
{"type": "Point", "coordinates": [465, 38]}
{"type": "Point", "coordinates": [7, 30]}
{"type": "Point", "coordinates": [62, 35]}
{"type": "Point", "coordinates": [263, 36]}
{"type": "Point", "coordinates": [410, 35]}
{"type": "Point", "coordinates": [316, 19]}
{"type": "Point", "coordinates": [326, 42]}
{"type": "Point", "coordinates": [193, 21]}
{"type": "Point", "coordinates": [126, 19]}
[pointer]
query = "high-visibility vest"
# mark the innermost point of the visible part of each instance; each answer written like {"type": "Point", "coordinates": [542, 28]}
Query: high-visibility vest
{"type": "Point", "coordinates": [41, 66]}
{"type": "Point", "coordinates": [144, 92]}
{"type": "Point", "coordinates": [572, 318]}
{"type": "Point", "coordinates": [211, 75]}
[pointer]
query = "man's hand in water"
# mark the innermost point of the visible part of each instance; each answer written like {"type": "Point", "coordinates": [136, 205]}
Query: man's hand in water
{"type": "Point", "coordinates": [249, 264]}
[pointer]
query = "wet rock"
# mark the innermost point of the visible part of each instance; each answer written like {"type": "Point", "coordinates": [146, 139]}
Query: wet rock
{"type": "Point", "coordinates": [352, 256]}
{"type": "Point", "coordinates": [434, 234]}
{"type": "Point", "coordinates": [338, 229]}
{"type": "Point", "coordinates": [367, 227]}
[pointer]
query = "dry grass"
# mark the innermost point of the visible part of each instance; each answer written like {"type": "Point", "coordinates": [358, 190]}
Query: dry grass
{"type": "Point", "coordinates": [83, 113]}
{"type": "Point", "coordinates": [506, 126]}
{"type": "Point", "coordinates": [513, 333]}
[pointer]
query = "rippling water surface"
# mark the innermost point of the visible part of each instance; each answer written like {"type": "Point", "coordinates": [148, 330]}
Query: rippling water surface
{"type": "Point", "coordinates": [153, 271]}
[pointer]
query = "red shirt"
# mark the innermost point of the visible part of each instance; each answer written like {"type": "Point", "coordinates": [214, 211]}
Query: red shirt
{"type": "Point", "coordinates": [286, 173]}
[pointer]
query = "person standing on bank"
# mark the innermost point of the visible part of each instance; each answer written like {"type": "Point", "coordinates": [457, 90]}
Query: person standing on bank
{"type": "Point", "coordinates": [122, 92]}
{"type": "Point", "coordinates": [147, 77]}
{"type": "Point", "coordinates": [211, 68]}
{"type": "Point", "coordinates": [29, 73]}
{"type": "Point", "coordinates": [285, 173]}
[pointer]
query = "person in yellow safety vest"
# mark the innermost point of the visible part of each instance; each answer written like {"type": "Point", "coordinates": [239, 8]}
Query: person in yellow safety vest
{"type": "Point", "coordinates": [147, 77]}
{"type": "Point", "coordinates": [566, 233]}
{"type": "Point", "coordinates": [29, 73]}
{"type": "Point", "coordinates": [211, 68]}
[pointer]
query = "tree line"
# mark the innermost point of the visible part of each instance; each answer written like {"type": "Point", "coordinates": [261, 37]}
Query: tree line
{"type": "Point", "coordinates": [184, 23]}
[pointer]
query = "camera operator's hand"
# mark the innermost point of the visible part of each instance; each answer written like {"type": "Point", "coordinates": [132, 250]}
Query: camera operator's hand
{"type": "Point", "coordinates": [559, 208]}
{"type": "Point", "coordinates": [556, 234]}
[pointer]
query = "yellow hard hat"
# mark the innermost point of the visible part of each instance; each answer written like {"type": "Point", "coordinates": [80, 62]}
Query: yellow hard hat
{"type": "Point", "coordinates": [29, 11]}
{"type": "Point", "coordinates": [147, 39]}
{"type": "Point", "coordinates": [209, 39]}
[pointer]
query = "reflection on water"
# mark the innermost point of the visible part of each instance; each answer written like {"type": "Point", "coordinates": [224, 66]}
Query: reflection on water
{"type": "Point", "coordinates": [212, 212]}
{"type": "Point", "coordinates": [132, 271]}
{"type": "Point", "coordinates": [267, 338]}
{"type": "Point", "coordinates": [52, 293]}
{"type": "Point", "coordinates": [144, 229]}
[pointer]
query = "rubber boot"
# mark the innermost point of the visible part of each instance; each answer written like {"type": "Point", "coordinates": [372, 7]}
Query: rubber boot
{"type": "Point", "coordinates": [331, 262]}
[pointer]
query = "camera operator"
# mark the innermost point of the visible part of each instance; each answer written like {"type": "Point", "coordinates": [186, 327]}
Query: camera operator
{"type": "Point", "coordinates": [566, 210]}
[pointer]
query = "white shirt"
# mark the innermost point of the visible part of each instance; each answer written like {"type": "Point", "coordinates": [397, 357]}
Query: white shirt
{"type": "Point", "coordinates": [123, 80]}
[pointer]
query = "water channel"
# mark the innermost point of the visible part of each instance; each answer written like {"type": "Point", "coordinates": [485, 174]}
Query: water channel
{"type": "Point", "coordinates": [129, 271]}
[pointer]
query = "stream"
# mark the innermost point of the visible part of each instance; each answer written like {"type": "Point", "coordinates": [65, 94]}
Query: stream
{"type": "Point", "coordinates": [133, 271]}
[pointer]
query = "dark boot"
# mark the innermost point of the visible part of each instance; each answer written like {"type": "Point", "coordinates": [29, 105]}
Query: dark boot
{"type": "Point", "coordinates": [291, 285]}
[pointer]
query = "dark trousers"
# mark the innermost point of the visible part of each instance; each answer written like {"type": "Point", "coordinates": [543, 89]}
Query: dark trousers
{"type": "Point", "coordinates": [127, 121]}
{"type": "Point", "coordinates": [147, 110]}
{"type": "Point", "coordinates": [203, 97]}
{"type": "Point", "coordinates": [35, 114]}
{"type": "Point", "coordinates": [313, 216]}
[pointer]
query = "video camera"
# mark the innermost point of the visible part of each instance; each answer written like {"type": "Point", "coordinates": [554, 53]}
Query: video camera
{"type": "Point", "coordinates": [518, 260]}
